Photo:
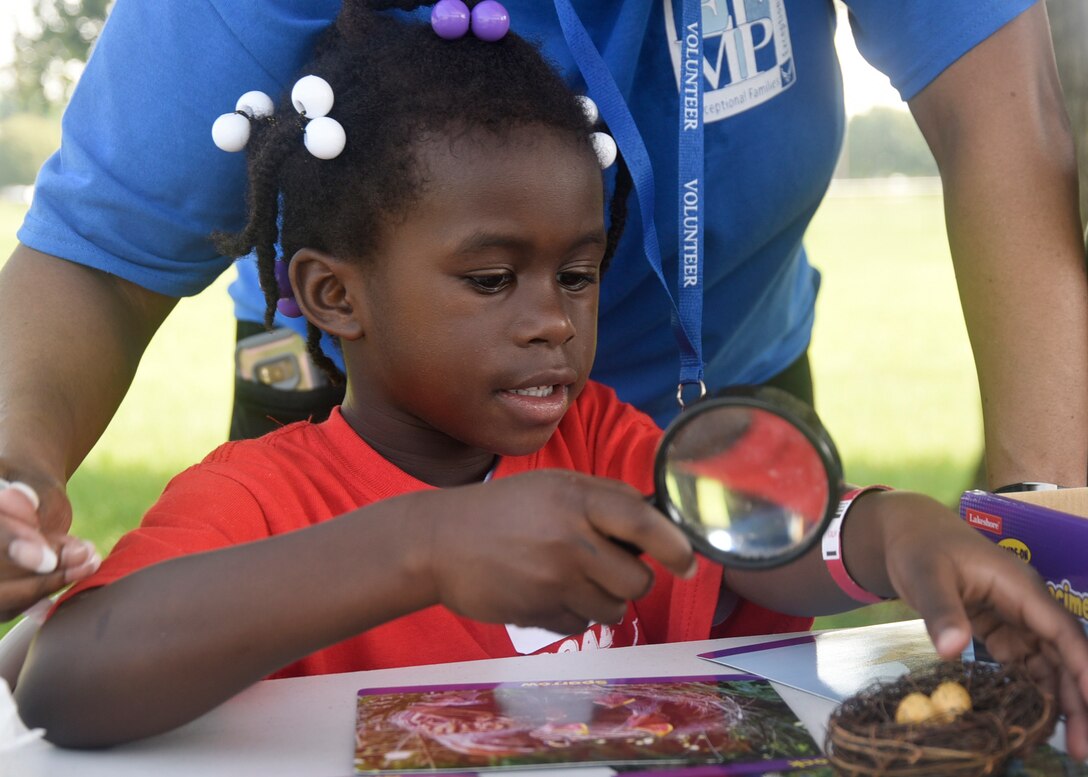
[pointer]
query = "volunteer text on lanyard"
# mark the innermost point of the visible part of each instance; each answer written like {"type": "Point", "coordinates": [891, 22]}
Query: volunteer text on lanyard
{"type": "Point", "coordinates": [687, 314]}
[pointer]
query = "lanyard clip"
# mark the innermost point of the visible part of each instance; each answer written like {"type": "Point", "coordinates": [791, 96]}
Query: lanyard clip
{"type": "Point", "coordinates": [680, 392]}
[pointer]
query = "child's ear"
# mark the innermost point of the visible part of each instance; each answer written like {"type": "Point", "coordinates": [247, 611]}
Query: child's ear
{"type": "Point", "coordinates": [322, 284]}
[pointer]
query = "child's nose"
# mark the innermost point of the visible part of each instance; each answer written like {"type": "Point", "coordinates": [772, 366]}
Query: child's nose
{"type": "Point", "coordinates": [545, 318]}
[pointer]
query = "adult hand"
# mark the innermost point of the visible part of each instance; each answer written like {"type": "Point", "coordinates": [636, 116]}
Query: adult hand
{"type": "Point", "coordinates": [540, 549]}
{"type": "Point", "coordinates": [35, 563]}
{"type": "Point", "coordinates": [962, 583]}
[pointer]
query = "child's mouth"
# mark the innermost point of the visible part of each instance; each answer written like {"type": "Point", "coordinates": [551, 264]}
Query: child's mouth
{"type": "Point", "coordinates": [535, 391]}
{"type": "Point", "coordinates": [537, 405]}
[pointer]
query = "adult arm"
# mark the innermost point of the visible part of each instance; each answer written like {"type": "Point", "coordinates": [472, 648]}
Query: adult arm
{"type": "Point", "coordinates": [997, 127]}
{"type": "Point", "coordinates": [71, 339]}
{"type": "Point", "coordinates": [134, 191]}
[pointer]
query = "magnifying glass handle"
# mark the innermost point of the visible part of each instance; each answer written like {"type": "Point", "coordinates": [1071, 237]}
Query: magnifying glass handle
{"type": "Point", "coordinates": [630, 547]}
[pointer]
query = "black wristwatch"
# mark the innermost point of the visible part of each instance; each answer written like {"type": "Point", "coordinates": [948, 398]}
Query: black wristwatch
{"type": "Point", "coordinates": [1028, 486]}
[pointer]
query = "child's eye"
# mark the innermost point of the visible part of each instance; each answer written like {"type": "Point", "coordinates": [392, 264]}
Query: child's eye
{"type": "Point", "coordinates": [490, 283]}
{"type": "Point", "coordinates": [575, 280]}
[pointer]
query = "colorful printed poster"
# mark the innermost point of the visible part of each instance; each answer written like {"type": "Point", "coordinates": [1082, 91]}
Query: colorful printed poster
{"type": "Point", "coordinates": [737, 723]}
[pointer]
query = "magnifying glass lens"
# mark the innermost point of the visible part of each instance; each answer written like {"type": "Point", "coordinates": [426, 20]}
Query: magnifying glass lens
{"type": "Point", "coordinates": [746, 483]}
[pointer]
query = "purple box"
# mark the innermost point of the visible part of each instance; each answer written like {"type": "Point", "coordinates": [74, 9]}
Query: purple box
{"type": "Point", "coordinates": [1047, 529]}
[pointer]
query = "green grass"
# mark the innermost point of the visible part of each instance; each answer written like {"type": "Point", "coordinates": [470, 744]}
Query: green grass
{"type": "Point", "coordinates": [894, 377]}
{"type": "Point", "coordinates": [895, 380]}
{"type": "Point", "coordinates": [177, 411]}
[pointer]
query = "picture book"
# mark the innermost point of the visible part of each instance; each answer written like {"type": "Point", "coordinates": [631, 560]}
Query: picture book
{"type": "Point", "coordinates": [736, 723]}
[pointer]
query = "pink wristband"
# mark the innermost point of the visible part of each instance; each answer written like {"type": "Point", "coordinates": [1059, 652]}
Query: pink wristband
{"type": "Point", "coordinates": [832, 549]}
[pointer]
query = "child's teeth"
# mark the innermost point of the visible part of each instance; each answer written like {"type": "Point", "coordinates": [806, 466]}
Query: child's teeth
{"type": "Point", "coordinates": [536, 391]}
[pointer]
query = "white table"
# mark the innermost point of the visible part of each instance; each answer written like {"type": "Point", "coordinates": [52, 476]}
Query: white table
{"type": "Point", "coordinates": [305, 727]}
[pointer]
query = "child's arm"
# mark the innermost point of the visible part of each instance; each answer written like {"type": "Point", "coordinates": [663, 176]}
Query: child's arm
{"type": "Point", "coordinates": [163, 645]}
{"type": "Point", "coordinates": [905, 544]}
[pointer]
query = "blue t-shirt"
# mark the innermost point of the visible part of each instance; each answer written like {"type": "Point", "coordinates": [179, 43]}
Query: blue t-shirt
{"type": "Point", "coordinates": [138, 185]}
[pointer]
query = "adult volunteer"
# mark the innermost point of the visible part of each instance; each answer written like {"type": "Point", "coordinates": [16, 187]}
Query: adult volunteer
{"type": "Point", "coordinates": [119, 226]}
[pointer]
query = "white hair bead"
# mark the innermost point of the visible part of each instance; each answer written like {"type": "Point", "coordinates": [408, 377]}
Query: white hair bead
{"type": "Point", "coordinates": [605, 148]}
{"type": "Point", "coordinates": [589, 108]}
{"type": "Point", "coordinates": [312, 96]}
{"type": "Point", "coordinates": [230, 132]}
{"type": "Point", "coordinates": [255, 104]}
{"type": "Point", "coordinates": [324, 138]}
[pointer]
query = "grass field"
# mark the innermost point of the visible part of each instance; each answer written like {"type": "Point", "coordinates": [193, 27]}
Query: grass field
{"type": "Point", "coordinates": [894, 378]}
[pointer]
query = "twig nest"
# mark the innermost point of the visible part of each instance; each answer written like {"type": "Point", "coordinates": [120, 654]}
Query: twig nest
{"type": "Point", "coordinates": [915, 708]}
{"type": "Point", "coordinates": [954, 720]}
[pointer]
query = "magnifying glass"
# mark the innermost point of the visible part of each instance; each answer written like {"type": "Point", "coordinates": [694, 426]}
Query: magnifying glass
{"type": "Point", "coordinates": [751, 477]}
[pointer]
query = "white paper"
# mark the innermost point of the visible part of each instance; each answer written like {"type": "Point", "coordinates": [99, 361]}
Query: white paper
{"type": "Point", "coordinates": [13, 734]}
{"type": "Point", "coordinates": [836, 664]}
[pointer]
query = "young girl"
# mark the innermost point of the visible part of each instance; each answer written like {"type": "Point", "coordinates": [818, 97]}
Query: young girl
{"type": "Point", "coordinates": [439, 203]}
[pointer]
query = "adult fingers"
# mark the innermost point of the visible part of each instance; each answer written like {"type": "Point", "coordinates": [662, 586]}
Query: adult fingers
{"type": "Point", "coordinates": [23, 549]}
{"type": "Point", "coordinates": [21, 589]}
{"type": "Point", "coordinates": [19, 534]}
{"type": "Point", "coordinates": [19, 501]}
{"type": "Point", "coordinates": [18, 594]}
{"type": "Point", "coordinates": [79, 559]}
{"type": "Point", "coordinates": [46, 495]}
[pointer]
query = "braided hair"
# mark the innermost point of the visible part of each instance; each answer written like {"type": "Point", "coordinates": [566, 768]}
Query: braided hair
{"type": "Point", "coordinates": [395, 81]}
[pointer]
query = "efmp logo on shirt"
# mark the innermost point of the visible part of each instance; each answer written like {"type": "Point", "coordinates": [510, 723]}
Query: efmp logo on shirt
{"type": "Point", "coordinates": [747, 57]}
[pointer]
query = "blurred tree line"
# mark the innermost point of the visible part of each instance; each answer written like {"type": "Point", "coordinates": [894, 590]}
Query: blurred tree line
{"type": "Point", "coordinates": [1069, 28]}
{"type": "Point", "coordinates": [35, 87]}
{"type": "Point", "coordinates": [883, 142]}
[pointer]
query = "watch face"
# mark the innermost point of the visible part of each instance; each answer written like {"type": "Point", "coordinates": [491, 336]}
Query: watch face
{"type": "Point", "coordinates": [1028, 486]}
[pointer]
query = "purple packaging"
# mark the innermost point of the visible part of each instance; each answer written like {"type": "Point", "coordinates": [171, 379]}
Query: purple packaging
{"type": "Point", "coordinates": [1047, 529]}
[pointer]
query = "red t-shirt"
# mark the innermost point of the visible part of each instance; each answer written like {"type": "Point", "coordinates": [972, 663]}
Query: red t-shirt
{"type": "Point", "coordinates": [307, 473]}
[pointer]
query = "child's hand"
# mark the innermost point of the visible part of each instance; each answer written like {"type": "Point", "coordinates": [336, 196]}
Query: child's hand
{"type": "Point", "coordinates": [537, 550]}
{"type": "Point", "coordinates": [961, 583]}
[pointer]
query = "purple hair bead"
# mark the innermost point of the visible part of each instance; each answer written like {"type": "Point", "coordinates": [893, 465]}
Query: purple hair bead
{"type": "Point", "coordinates": [288, 307]}
{"type": "Point", "coordinates": [283, 279]}
{"type": "Point", "coordinates": [490, 20]}
{"type": "Point", "coordinates": [450, 19]}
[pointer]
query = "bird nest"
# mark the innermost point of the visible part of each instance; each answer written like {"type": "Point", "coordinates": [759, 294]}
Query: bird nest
{"type": "Point", "coordinates": [1009, 716]}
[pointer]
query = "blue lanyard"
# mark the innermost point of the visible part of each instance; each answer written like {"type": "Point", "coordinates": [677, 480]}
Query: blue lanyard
{"type": "Point", "coordinates": [687, 316]}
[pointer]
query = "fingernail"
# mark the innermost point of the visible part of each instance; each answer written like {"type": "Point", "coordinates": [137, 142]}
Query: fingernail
{"type": "Point", "coordinates": [26, 491]}
{"type": "Point", "coordinates": [77, 553]}
{"type": "Point", "coordinates": [83, 571]}
{"type": "Point", "coordinates": [948, 641]}
{"type": "Point", "coordinates": [33, 556]}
